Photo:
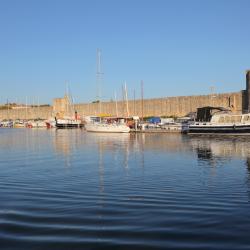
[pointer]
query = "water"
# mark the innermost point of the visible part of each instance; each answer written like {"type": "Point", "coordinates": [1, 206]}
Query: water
{"type": "Point", "coordinates": [69, 189]}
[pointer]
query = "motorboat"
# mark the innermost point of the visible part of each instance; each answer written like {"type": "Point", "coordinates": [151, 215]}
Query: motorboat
{"type": "Point", "coordinates": [68, 123]}
{"type": "Point", "coordinates": [6, 124]}
{"type": "Point", "coordinates": [219, 120]}
{"type": "Point", "coordinates": [38, 123]}
{"type": "Point", "coordinates": [19, 124]}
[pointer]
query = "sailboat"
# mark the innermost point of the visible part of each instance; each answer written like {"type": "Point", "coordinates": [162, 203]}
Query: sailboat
{"type": "Point", "coordinates": [109, 124]}
{"type": "Point", "coordinates": [114, 125]}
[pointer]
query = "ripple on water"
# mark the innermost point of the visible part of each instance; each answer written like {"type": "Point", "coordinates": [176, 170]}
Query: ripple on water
{"type": "Point", "coordinates": [69, 189]}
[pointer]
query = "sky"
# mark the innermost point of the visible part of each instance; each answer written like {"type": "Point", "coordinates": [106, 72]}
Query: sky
{"type": "Point", "coordinates": [176, 47]}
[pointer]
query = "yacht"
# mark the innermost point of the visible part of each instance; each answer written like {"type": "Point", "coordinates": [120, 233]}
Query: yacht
{"type": "Point", "coordinates": [219, 120]}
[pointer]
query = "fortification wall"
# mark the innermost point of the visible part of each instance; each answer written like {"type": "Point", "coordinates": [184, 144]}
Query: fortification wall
{"type": "Point", "coordinates": [29, 113]}
{"type": "Point", "coordinates": [169, 106]}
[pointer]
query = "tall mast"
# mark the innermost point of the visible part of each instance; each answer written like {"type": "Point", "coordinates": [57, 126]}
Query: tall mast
{"type": "Point", "coordinates": [142, 100]}
{"type": "Point", "coordinates": [67, 99]}
{"type": "Point", "coordinates": [8, 109]}
{"type": "Point", "coordinates": [134, 103]}
{"type": "Point", "coordinates": [116, 107]}
{"type": "Point", "coordinates": [126, 96]}
{"type": "Point", "coordinates": [38, 106]}
{"type": "Point", "coordinates": [26, 105]}
{"type": "Point", "coordinates": [98, 78]}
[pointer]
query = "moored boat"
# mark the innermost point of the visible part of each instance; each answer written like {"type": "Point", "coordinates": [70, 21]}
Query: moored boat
{"type": "Point", "coordinates": [38, 123]}
{"type": "Point", "coordinates": [106, 124]}
{"type": "Point", "coordinates": [212, 120]}
{"type": "Point", "coordinates": [107, 127]}
{"type": "Point", "coordinates": [50, 123]}
{"type": "Point", "coordinates": [68, 123]}
{"type": "Point", "coordinates": [6, 124]}
{"type": "Point", "coordinates": [19, 124]}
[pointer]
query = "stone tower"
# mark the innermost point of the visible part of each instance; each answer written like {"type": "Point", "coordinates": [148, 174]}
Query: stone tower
{"type": "Point", "coordinates": [248, 90]}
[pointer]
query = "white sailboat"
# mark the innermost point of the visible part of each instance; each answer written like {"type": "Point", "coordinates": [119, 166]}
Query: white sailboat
{"type": "Point", "coordinates": [105, 127]}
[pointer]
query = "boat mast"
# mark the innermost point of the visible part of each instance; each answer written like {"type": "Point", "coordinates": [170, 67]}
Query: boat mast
{"type": "Point", "coordinates": [98, 78]}
{"type": "Point", "coordinates": [126, 96]}
{"type": "Point", "coordinates": [116, 108]}
{"type": "Point", "coordinates": [67, 99]}
{"type": "Point", "coordinates": [38, 106]}
{"type": "Point", "coordinates": [8, 114]}
{"type": "Point", "coordinates": [26, 105]}
{"type": "Point", "coordinates": [142, 101]}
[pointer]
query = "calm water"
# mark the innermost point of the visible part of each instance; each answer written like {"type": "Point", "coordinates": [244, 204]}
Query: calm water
{"type": "Point", "coordinates": [68, 189]}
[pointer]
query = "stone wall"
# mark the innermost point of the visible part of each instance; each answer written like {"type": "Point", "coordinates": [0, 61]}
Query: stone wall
{"type": "Point", "coordinates": [169, 106]}
{"type": "Point", "coordinates": [29, 113]}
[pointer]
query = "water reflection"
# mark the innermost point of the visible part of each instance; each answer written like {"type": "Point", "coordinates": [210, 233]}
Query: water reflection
{"type": "Point", "coordinates": [66, 143]}
{"type": "Point", "coordinates": [216, 150]}
{"type": "Point", "coordinates": [70, 188]}
{"type": "Point", "coordinates": [248, 174]}
{"type": "Point", "coordinates": [209, 149]}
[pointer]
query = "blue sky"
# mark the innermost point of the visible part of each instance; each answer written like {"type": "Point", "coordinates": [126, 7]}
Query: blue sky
{"type": "Point", "coordinates": [176, 47]}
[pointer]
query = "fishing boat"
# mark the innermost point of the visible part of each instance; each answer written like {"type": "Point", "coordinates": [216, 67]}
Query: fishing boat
{"type": "Point", "coordinates": [212, 120]}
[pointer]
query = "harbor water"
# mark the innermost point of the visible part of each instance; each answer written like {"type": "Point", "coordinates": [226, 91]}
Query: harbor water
{"type": "Point", "coordinates": [70, 189]}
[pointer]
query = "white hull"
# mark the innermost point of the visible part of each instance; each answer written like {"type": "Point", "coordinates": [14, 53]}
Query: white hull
{"type": "Point", "coordinates": [38, 124]}
{"type": "Point", "coordinates": [107, 128]}
{"type": "Point", "coordinates": [68, 123]}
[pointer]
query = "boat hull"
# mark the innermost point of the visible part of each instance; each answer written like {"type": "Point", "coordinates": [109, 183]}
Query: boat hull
{"type": "Point", "coordinates": [63, 125]}
{"type": "Point", "coordinates": [210, 129]}
{"type": "Point", "coordinates": [107, 128]}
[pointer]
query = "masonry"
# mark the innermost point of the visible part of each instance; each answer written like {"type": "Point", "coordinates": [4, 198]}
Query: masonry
{"type": "Point", "coordinates": [169, 106]}
{"type": "Point", "coordinates": [29, 113]}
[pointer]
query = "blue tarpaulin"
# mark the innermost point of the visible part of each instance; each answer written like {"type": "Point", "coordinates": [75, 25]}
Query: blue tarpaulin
{"type": "Point", "coordinates": [154, 120]}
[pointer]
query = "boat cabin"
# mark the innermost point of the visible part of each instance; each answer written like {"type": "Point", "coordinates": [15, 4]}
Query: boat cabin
{"type": "Point", "coordinates": [205, 114]}
{"type": "Point", "coordinates": [220, 115]}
